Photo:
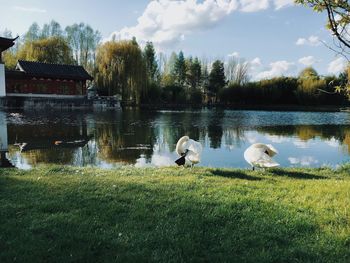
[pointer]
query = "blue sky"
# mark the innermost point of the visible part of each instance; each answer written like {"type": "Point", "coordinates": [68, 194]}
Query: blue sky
{"type": "Point", "coordinates": [276, 37]}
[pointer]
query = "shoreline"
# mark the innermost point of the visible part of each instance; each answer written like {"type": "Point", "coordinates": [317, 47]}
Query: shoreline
{"type": "Point", "coordinates": [323, 108]}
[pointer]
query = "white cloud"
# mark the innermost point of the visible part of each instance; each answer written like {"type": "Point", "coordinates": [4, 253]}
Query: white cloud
{"type": "Point", "coordinates": [283, 3]}
{"type": "Point", "coordinates": [158, 160]}
{"type": "Point", "coordinates": [256, 62]}
{"type": "Point", "coordinates": [251, 139]}
{"type": "Point", "coordinates": [277, 68]}
{"type": "Point", "coordinates": [277, 139]}
{"type": "Point", "coordinates": [234, 54]}
{"type": "Point", "coordinates": [255, 66]}
{"type": "Point", "coordinates": [307, 61]}
{"type": "Point", "coordinates": [311, 41]}
{"type": "Point", "coordinates": [29, 9]}
{"type": "Point", "coordinates": [253, 5]}
{"type": "Point", "coordinates": [304, 160]}
{"type": "Point", "coordinates": [166, 22]}
{"type": "Point", "coordinates": [332, 142]}
{"type": "Point", "coordinates": [301, 144]}
{"type": "Point", "coordinates": [337, 65]}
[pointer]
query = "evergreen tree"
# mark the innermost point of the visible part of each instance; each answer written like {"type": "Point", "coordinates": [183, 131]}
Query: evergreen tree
{"type": "Point", "coordinates": [151, 63]}
{"type": "Point", "coordinates": [217, 79]}
{"type": "Point", "coordinates": [194, 73]}
{"type": "Point", "coordinates": [205, 78]}
{"type": "Point", "coordinates": [180, 69]}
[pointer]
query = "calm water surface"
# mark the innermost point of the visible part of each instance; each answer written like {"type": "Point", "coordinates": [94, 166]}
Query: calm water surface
{"type": "Point", "coordinates": [148, 138]}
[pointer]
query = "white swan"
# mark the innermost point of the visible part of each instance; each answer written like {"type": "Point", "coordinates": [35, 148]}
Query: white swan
{"type": "Point", "coordinates": [189, 150]}
{"type": "Point", "coordinates": [260, 155]}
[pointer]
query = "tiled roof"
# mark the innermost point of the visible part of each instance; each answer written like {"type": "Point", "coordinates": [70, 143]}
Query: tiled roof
{"type": "Point", "coordinates": [39, 69]}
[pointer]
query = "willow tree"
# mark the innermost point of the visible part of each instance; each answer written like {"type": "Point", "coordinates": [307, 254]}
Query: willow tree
{"type": "Point", "coordinates": [121, 70]}
{"type": "Point", "coordinates": [50, 50]}
{"type": "Point", "coordinates": [9, 57]}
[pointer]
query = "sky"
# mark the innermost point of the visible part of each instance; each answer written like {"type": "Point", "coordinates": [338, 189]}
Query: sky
{"type": "Point", "coordinates": [275, 36]}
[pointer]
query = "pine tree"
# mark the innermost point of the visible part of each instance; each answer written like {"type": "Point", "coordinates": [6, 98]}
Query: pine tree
{"type": "Point", "coordinates": [217, 79]}
{"type": "Point", "coordinates": [180, 69]}
{"type": "Point", "coordinates": [151, 63]}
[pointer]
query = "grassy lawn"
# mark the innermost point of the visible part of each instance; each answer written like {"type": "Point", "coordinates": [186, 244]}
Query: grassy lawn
{"type": "Point", "coordinates": [67, 214]}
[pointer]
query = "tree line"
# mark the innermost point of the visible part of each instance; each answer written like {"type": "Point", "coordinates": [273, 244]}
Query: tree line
{"type": "Point", "coordinates": [76, 44]}
{"type": "Point", "coordinates": [141, 76]}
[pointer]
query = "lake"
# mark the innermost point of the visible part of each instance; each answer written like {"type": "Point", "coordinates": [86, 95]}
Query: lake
{"type": "Point", "coordinates": [147, 138]}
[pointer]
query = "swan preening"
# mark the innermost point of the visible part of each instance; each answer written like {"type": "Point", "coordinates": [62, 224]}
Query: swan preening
{"type": "Point", "coordinates": [260, 155]}
{"type": "Point", "coordinates": [189, 150]}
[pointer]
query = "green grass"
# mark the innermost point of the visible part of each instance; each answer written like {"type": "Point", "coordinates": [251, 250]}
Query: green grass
{"type": "Point", "coordinates": [67, 214]}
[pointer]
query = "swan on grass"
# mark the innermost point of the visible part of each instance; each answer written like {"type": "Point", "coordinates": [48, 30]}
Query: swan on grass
{"type": "Point", "coordinates": [260, 155]}
{"type": "Point", "coordinates": [189, 150]}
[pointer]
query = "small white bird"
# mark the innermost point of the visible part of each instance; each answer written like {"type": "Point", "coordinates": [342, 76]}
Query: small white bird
{"type": "Point", "coordinates": [260, 155]}
{"type": "Point", "coordinates": [189, 150]}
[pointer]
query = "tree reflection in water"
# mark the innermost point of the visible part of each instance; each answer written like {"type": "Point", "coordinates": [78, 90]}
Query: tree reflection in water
{"type": "Point", "coordinates": [113, 138]}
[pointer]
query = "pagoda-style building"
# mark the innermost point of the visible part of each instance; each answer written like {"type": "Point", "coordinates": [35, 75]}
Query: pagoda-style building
{"type": "Point", "coordinates": [46, 80]}
{"type": "Point", "coordinates": [34, 79]}
{"type": "Point", "coordinates": [34, 85]}
{"type": "Point", "coordinates": [5, 43]}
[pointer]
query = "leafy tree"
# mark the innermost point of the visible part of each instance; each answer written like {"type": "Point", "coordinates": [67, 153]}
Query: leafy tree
{"type": "Point", "coordinates": [236, 71]}
{"type": "Point", "coordinates": [9, 57]}
{"type": "Point", "coordinates": [167, 80]}
{"type": "Point", "coordinates": [170, 66]}
{"type": "Point", "coordinates": [308, 73]}
{"type": "Point", "coordinates": [52, 29]}
{"type": "Point", "coordinates": [308, 91]}
{"type": "Point", "coordinates": [338, 13]}
{"type": "Point", "coordinates": [33, 32]}
{"type": "Point", "coordinates": [310, 87]}
{"type": "Point", "coordinates": [230, 69]}
{"type": "Point", "coordinates": [217, 79]}
{"type": "Point", "coordinates": [279, 90]}
{"type": "Point", "coordinates": [121, 70]}
{"type": "Point", "coordinates": [162, 62]}
{"type": "Point", "coordinates": [49, 50]}
{"type": "Point", "coordinates": [344, 83]}
{"type": "Point", "coordinates": [84, 41]}
{"type": "Point", "coordinates": [338, 22]}
{"type": "Point", "coordinates": [242, 76]}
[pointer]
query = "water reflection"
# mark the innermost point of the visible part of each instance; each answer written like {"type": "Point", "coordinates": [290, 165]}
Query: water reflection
{"type": "Point", "coordinates": [148, 138]}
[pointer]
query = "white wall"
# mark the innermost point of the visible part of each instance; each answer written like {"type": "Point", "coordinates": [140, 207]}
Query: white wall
{"type": "Point", "coordinates": [3, 132]}
{"type": "Point", "coordinates": [2, 81]}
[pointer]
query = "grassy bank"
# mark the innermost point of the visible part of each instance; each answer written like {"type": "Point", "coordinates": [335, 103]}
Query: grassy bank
{"type": "Point", "coordinates": [66, 214]}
